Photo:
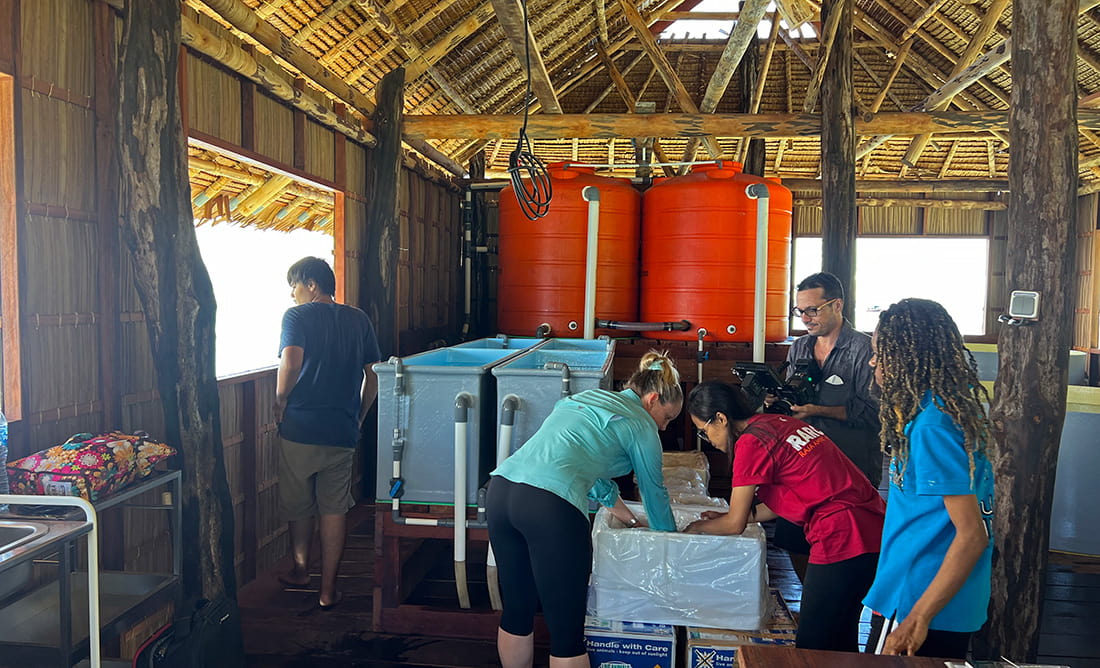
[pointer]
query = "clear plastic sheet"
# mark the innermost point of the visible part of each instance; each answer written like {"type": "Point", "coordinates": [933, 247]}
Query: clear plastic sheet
{"type": "Point", "coordinates": [674, 578]}
{"type": "Point", "coordinates": [688, 487]}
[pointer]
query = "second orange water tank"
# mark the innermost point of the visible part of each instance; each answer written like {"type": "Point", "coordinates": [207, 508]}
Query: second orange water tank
{"type": "Point", "coordinates": [699, 254]}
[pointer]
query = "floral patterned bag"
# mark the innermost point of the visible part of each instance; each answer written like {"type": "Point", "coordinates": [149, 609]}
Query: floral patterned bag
{"type": "Point", "coordinates": [87, 466]}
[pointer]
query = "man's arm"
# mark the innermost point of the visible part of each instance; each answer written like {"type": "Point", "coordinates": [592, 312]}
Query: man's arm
{"type": "Point", "coordinates": [290, 367]}
{"type": "Point", "coordinates": [368, 393]}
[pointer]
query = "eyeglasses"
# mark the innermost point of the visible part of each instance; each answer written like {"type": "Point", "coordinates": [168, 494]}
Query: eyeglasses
{"type": "Point", "coordinates": [812, 311]}
{"type": "Point", "coordinates": [701, 432]}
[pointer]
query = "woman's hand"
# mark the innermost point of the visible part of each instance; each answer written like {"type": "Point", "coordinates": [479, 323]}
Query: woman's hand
{"type": "Point", "coordinates": [696, 526]}
{"type": "Point", "coordinates": [907, 638]}
{"type": "Point", "coordinates": [711, 514]}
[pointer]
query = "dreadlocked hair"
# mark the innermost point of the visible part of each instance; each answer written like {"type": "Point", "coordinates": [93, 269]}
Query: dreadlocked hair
{"type": "Point", "coordinates": [657, 373]}
{"type": "Point", "coordinates": [919, 349]}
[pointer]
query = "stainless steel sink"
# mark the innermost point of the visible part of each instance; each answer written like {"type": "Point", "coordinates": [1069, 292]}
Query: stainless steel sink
{"type": "Point", "coordinates": [14, 533]}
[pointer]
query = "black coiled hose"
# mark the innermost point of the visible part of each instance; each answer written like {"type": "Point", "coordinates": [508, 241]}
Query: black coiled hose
{"type": "Point", "coordinates": [534, 193]}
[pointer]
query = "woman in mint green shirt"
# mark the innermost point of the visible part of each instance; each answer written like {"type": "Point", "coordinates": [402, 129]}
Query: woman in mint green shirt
{"type": "Point", "coordinates": [538, 504]}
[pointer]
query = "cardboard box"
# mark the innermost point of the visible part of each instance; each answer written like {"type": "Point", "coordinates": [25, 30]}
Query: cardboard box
{"type": "Point", "coordinates": [618, 644]}
{"type": "Point", "coordinates": [713, 648]}
{"type": "Point", "coordinates": [717, 648]}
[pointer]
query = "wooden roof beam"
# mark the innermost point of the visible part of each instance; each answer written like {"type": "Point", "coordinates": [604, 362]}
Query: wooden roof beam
{"type": "Point", "coordinates": [699, 16]}
{"type": "Point", "coordinates": [827, 37]}
{"type": "Point", "coordinates": [512, 20]}
{"type": "Point", "coordinates": [631, 102]}
{"type": "Point", "coordinates": [742, 36]}
{"type": "Point", "coordinates": [244, 19]}
{"type": "Point", "coordinates": [611, 86]}
{"type": "Point", "coordinates": [593, 65]}
{"type": "Point", "coordinates": [664, 68]}
{"type": "Point", "coordinates": [946, 53]}
{"type": "Point", "coordinates": [892, 202]}
{"type": "Point", "coordinates": [762, 78]}
{"type": "Point", "coordinates": [970, 55]}
{"type": "Point", "coordinates": [601, 21]}
{"type": "Point", "coordinates": [606, 126]}
{"type": "Point", "coordinates": [909, 186]}
{"type": "Point", "coordinates": [412, 50]}
{"type": "Point", "coordinates": [442, 46]}
{"type": "Point", "coordinates": [928, 13]}
{"type": "Point", "coordinates": [262, 196]}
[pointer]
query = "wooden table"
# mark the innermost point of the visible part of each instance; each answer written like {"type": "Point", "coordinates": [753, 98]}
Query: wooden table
{"type": "Point", "coordinates": [770, 656]}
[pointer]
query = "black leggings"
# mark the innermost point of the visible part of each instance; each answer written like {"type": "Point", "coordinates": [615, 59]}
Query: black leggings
{"type": "Point", "coordinates": [940, 644]}
{"type": "Point", "coordinates": [543, 550]}
{"type": "Point", "coordinates": [832, 601]}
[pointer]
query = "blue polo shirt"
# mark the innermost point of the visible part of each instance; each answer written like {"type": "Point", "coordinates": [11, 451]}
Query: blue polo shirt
{"type": "Point", "coordinates": [338, 342]}
{"type": "Point", "coordinates": [918, 529]}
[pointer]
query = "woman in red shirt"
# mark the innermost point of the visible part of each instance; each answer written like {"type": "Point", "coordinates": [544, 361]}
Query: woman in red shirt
{"type": "Point", "coordinates": [783, 467]}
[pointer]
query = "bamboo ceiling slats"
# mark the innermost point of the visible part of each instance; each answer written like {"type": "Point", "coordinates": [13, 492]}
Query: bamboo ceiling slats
{"type": "Point", "coordinates": [225, 190]}
{"type": "Point", "coordinates": [914, 45]}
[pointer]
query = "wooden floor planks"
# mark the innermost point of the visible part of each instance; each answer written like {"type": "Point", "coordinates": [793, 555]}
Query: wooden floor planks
{"type": "Point", "coordinates": [285, 629]}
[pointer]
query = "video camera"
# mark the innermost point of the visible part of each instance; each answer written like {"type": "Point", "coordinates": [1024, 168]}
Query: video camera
{"type": "Point", "coordinates": [759, 380]}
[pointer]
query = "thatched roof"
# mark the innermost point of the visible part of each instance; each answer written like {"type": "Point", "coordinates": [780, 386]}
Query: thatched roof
{"type": "Point", "coordinates": [460, 60]}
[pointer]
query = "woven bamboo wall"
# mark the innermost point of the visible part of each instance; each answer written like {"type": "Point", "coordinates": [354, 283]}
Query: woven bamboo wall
{"type": "Point", "coordinates": [1085, 313]}
{"type": "Point", "coordinates": [59, 224]}
{"type": "Point", "coordinates": [274, 129]}
{"type": "Point", "coordinates": [213, 100]}
{"type": "Point", "coordinates": [889, 220]}
{"type": "Point", "coordinates": [429, 260]}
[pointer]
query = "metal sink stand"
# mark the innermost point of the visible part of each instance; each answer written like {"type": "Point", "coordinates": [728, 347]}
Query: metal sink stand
{"type": "Point", "coordinates": [127, 594]}
{"type": "Point", "coordinates": [93, 560]}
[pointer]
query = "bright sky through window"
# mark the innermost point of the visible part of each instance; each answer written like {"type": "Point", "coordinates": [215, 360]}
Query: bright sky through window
{"type": "Point", "coordinates": [721, 29]}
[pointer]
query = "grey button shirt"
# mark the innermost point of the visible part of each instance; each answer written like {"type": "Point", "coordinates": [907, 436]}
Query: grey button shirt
{"type": "Point", "coordinates": [846, 380]}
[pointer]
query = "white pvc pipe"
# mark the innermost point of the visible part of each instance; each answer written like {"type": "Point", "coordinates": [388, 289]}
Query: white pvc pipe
{"type": "Point", "coordinates": [759, 192]}
{"type": "Point", "coordinates": [591, 195]}
{"type": "Point", "coordinates": [461, 430]}
{"type": "Point", "coordinates": [93, 559]}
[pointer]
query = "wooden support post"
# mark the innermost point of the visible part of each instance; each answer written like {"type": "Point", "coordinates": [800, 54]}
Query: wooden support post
{"type": "Point", "coordinates": [1029, 402]}
{"type": "Point", "coordinates": [838, 156]}
{"type": "Point", "coordinates": [106, 82]}
{"type": "Point", "coordinates": [173, 286]}
{"type": "Point", "coordinates": [378, 286]}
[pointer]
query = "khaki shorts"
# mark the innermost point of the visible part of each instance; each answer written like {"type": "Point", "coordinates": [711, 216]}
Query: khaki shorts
{"type": "Point", "coordinates": [314, 479]}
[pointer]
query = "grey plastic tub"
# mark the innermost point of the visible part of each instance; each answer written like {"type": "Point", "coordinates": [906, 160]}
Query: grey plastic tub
{"type": "Point", "coordinates": [539, 388]}
{"type": "Point", "coordinates": [424, 413]}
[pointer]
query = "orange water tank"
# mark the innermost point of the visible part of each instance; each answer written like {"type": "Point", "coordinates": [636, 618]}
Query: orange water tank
{"type": "Point", "coordinates": [699, 254]}
{"type": "Point", "coordinates": [542, 262]}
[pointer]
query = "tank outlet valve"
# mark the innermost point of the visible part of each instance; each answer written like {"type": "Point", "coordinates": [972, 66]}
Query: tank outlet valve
{"type": "Point", "coordinates": [397, 488]}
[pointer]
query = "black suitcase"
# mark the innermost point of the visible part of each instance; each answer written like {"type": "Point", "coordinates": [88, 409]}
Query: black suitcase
{"type": "Point", "coordinates": [209, 637]}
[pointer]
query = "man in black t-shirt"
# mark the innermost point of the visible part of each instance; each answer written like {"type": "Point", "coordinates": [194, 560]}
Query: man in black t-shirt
{"type": "Point", "coordinates": [324, 389]}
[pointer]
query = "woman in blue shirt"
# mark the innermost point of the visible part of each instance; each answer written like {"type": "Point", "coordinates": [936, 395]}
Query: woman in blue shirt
{"type": "Point", "coordinates": [934, 570]}
{"type": "Point", "coordinates": [538, 504]}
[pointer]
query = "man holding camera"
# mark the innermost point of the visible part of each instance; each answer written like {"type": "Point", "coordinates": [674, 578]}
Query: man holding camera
{"type": "Point", "coordinates": [844, 408]}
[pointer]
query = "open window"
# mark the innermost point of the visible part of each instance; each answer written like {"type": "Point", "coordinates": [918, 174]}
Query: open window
{"type": "Point", "coordinates": [252, 222]}
{"type": "Point", "coordinates": [953, 271]}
